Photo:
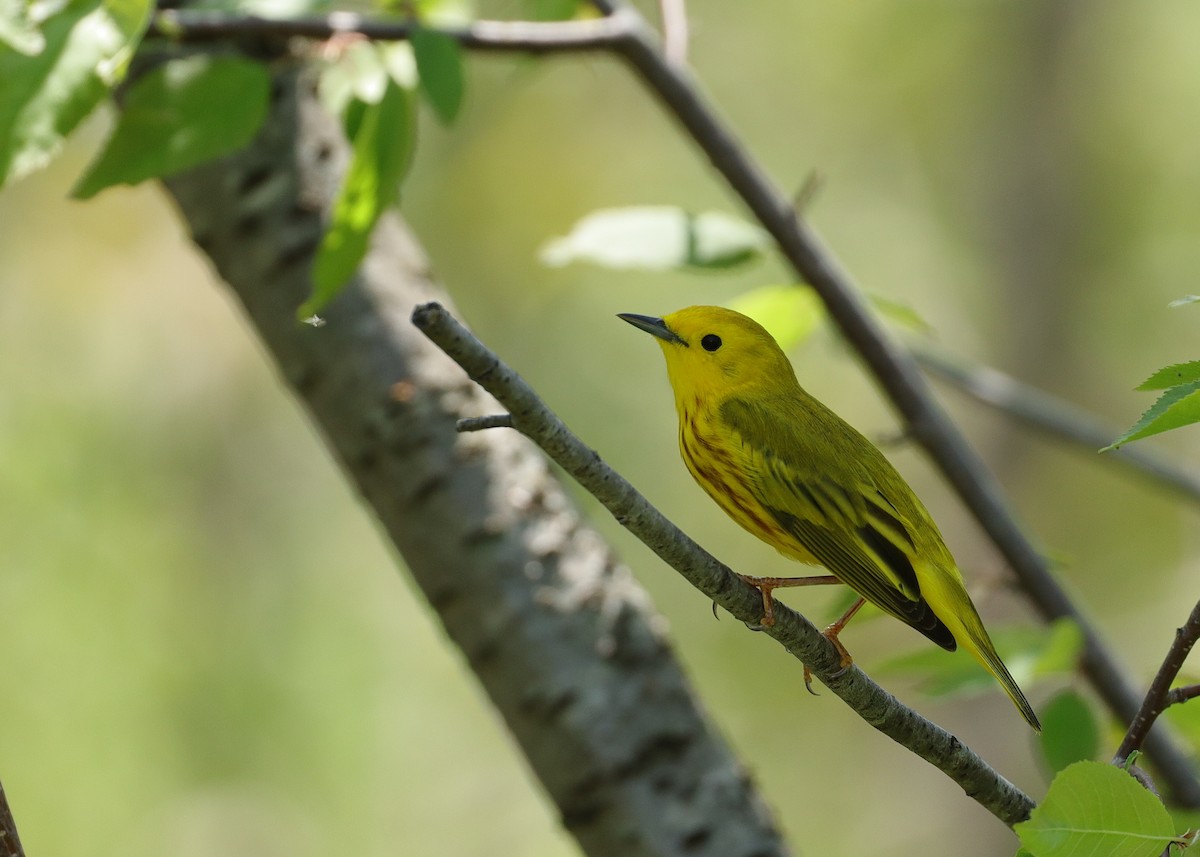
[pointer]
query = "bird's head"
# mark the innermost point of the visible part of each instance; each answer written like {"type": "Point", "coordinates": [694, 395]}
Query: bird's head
{"type": "Point", "coordinates": [712, 352]}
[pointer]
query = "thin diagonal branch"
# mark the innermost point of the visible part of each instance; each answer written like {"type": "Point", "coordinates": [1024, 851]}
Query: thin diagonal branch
{"type": "Point", "coordinates": [1156, 700]}
{"type": "Point", "coordinates": [1056, 417]}
{"type": "Point", "coordinates": [532, 418]}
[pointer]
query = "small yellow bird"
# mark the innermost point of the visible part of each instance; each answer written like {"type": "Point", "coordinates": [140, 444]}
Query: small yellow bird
{"type": "Point", "coordinates": [799, 477]}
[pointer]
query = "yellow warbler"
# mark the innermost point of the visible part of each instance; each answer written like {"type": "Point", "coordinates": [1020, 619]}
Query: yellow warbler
{"type": "Point", "coordinates": [799, 477]}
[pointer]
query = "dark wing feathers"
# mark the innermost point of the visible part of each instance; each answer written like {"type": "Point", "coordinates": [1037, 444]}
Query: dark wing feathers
{"type": "Point", "coordinates": [856, 569]}
{"type": "Point", "coordinates": [877, 563]}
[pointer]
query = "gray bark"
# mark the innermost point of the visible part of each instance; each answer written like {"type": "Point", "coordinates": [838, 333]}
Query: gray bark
{"type": "Point", "coordinates": [564, 642]}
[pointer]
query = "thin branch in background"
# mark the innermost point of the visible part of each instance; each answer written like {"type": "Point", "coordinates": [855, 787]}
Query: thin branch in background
{"type": "Point", "coordinates": [807, 194]}
{"type": "Point", "coordinates": [10, 842]}
{"type": "Point", "coordinates": [1055, 416]}
{"type": "Point", "coordinates": [535, 37]}
{"type": "Point", "coordinates": [673, 14]}
{"type": "Point", "coordinates": [797, 635]}
{"type": "Point", "coordinates": [1156, 699]}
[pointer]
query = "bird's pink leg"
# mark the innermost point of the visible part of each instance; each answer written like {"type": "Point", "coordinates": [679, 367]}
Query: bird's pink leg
{"type": "Point", "coordinates": [766, 584]}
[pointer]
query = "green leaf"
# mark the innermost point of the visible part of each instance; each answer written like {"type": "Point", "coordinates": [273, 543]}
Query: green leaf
{"type": "Point", "coordinates": [43, 97]}
{"type": "Point", "coordinates": [19, 29]}
{"type": "Point", "coordinates": [1093, 808]}
{"type": "Point", "coordinates": [1069, 730]}
{"type": "Point", "coordinates": [1184, 301]}
{"type": "Point", "coordinates": [383, 150]}
{"type": "Point", "coordinates": [1177, 407]}
{"type": "Point", "coordinates": [440, 13]}
{"type": "Point", "coordinates": [790, 313]}
{"type": "Point", "coordinates": [901, 314]}
{"type": "Point", "coordinates": [1172, 376]}
{"type": "Point", "coordinates": [181, 114]}
{"type": "Point", "coordinates": [657, 238]}
{"type": "Point", "coordinates": [1058, 652]}
{"type": "Point", "coordinates": [440, 66]}
{"type": "Point", "coordinates": [551, 10]}
{"type": "Point", "coordinates": [1185, 717]}
{"type": "Point", "coordinates": [357, 75]}
{"type": "Point", "coordinates": [1028, 652]}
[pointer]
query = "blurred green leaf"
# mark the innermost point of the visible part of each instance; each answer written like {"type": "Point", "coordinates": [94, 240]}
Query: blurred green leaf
{"type": "Point", "coordinates": [1059, 651]}
{"type": "Point", "coordinates": [1069, 730]}
{"type": "Point", "coordinates": [441, 13]}
{"type": "Point", "coordinates": [43, 98]}
{"type": "Point", "coordinates": [1177, 407]}
{"type": "Point", "coordinates": [717, 240]}
{"type": "Point", "coordinates": [900, 313]}
{"type": "Point", "coordinates": [18, 29]}
{"type": "Point", "coordinates": [937, 672]}
{"type": "Point", "coordinates": [1185, 717]}
{"type": "Point", "coordinates": [1028, 652]}
{"type": "Point", "coordinates": [1172, 376]}
{"type": "Point", "coordinates": [790, 313]}
{"type": "Point", "coordinates": [383, 150]}
{"type": "Point", "coordinates": [1093, 808]}
{"type": "Point", "coordinates": [181, 114]}
{"type": "Point", "coordinates": [358, 74]}
{"type": "Point", "coordinates": [1188, 820]}
{"type": "Point", "coordinates": [440, 67]}
{"type": "Point", "coordinates": [551, 10]}
{"type": "Point", "coordinates": [657, 238]}
{"type": "Point", "coordinates": [1184, 301]}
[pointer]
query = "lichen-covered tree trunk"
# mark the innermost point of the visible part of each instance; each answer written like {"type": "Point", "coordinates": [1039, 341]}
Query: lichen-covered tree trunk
{"type": "Point", "coordinates": [559, 635]}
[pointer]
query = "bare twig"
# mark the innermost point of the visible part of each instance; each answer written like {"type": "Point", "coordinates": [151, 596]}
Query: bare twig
{"type": "Point", "coordinates": [673, 14]}
{"type": "Point", "coordinates": [875, 705]}
{"type": "Point", "coordinates": [489, 422]}
{"type": "Point", "coordinates": [1054, 416]}
{"type": "Point", "coordinates": [1176, 695]}
{"type": "Point", "coordinates": [10, 842]}
{"type": "Point", "coordinates": [520, 36]}
{"type": "Point", "coordinates": [1157, 697]}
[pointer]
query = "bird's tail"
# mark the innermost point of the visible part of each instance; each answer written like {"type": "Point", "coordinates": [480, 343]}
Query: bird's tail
{"type": "Point", "coordinates": [971, 633]}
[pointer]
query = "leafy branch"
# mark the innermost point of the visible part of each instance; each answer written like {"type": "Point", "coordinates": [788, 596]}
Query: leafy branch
{"type": "Point", "coordinates": [530, 416]}
{"type": "Point", "coordinates": [1056, 417]}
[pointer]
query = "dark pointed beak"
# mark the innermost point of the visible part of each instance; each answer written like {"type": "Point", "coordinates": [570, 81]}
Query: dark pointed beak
{"type": "Point", "coordinates": [653, 326]}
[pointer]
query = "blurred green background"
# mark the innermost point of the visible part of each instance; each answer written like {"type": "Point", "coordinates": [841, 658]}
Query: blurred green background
{"type": "Point", "coordinates": [208, 646]}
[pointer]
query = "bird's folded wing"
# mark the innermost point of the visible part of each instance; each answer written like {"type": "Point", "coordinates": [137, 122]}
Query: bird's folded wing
{"type": "Point", "coordinates": [839, 515]}
{"type": "Point", "coordinates": [859, 570]}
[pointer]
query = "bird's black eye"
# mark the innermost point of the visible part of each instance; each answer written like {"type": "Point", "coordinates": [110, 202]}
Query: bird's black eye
{"type": "Point", "coordinates": [710, 342]}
